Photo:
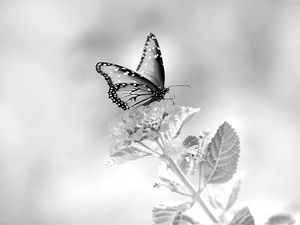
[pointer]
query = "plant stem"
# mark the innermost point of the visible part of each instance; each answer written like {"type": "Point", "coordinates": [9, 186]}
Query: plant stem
{"type": "Point", "coordinates": [161, 138]}
{"type": "Point", "coordinates": [200, 176]}
{"type": "Point", "coordinates": [191, 188]}
{"type": "Point", "coordinates": [151, 150]}
{"type": "Point", "coordinates": [181, 193]}
{"type": "Point", "coordinates": [159, 145]}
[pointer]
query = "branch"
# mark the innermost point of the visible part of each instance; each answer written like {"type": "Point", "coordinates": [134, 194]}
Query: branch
{"type": "Point", "coordinates": [190, 186]}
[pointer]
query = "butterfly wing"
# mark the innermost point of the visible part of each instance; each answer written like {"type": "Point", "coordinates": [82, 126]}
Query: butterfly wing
{"type": "Point", "coordinates": [127, 88]}
{"type": "Point", "coordinates": [151, 64]}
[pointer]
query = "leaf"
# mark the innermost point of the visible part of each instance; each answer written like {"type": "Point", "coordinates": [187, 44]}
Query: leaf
{"type": "Point", "coordinates": [222, 155]}
{"type": "Point", "coordinates": [178, 219]}
{"type": "Point", "coordinates": [242, 217]}
{"type": "Point", "coordinates": [190, 141]}
{"type": "Point", "coordinates": [168, 215]}
{"type": "Point", "coordinates": [187, 220]}
{"type": "Point", "coordinates": [125, 154]}
{"type": "Point", "coordinates": [281, 219]}
{"type": "Point", "coordinates": [179, 119]}
{"type": "Point", "coordinates": [182, 219]}
{"type": "Point", "coordinates": [234, 194]}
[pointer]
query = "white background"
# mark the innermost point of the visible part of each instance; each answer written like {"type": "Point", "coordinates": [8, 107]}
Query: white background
{"type": "Point", "coordinates": [240, 56]}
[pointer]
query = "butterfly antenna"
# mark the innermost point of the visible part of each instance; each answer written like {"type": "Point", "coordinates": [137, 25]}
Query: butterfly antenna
{"type": "Point", "coordinates": [180, 85]}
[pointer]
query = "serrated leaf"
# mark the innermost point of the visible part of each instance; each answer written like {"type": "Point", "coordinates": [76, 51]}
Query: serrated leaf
{"type": "Point", "coordinates": [165, 215]}
{"type": "Point", "coordinates": [187, 220]}
{"type": "Point", "coordinates": [223, 153]}
{"type": "Point", "coordinates": [242, 217]}
{"type": "Point", "coordinates": [281, 219]}
{"type": "Point", "coordinates": [178, 120]}
{"type": "Point", "coordinates": [178, 219]}
{"type": "Point", "coordinates": [190, 141]}
{"type": "Point", "coordinates": [182, 219]}
{"type": "Point", "coordinates": [234, 194]}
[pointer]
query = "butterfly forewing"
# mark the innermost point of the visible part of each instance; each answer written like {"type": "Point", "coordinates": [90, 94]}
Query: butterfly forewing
{"type": "Point", "coordinates": [126, 88]}
{"type": "Point", "coordinates": [151, 64]}
{"type": "Point", "coordinates": [116, 74]}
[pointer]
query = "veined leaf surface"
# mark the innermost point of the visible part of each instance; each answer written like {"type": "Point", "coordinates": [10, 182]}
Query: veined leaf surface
{"type": "Point", "coordinates": [223, 153]}
{"type": "Point", "coordinates": [242, 217]}
{"type": "Point", "coordinates": [169, 214]}
{"type": "Point", "coordinates": [281, 219]}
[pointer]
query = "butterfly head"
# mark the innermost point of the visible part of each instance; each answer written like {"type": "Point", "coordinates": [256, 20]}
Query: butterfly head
{"type": "Point", "coordinates": [165, 91]}
{"type": "Point", "coordinates": [160, 94]}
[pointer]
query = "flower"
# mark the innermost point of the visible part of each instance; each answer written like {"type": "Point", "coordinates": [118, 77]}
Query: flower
{"type": "Point", "coordinates": [135, 127]}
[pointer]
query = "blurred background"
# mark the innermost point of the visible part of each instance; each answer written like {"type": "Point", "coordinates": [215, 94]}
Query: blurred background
{"type": "Point", "coordinates": [240, 56]}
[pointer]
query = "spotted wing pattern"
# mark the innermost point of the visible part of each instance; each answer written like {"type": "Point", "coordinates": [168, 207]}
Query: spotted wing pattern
{"type": "Point", "coordinates": [151, 64]}
{"type": "Point", "coordinates": [127, 88]}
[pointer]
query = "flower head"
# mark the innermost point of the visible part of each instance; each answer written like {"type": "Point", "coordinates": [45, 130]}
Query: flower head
{"type": "Point", "coordinates": [147, 123]}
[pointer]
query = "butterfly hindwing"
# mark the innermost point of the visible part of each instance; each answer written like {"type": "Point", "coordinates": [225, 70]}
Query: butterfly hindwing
{"type": "Point", "coordinates": [127, 88]}
{"type": "Point", "coordinates": [151, 64]}
{"type": "Point", "coordinates": [134, 96]}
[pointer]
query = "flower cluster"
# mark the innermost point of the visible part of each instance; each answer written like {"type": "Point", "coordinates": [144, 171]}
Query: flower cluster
{"type": "Point", "coordinates": [160, 123]}
{"type": "Point", "coordinates": [145, 122]}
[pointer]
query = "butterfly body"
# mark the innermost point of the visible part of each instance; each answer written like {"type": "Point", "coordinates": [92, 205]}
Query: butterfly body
{"type": "Point", "coordinates": [160, 94]}
{"type": "Point", "coordinates": [129, 89]}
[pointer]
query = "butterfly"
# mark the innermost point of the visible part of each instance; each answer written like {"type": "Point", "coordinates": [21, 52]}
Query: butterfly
{"type": "Point", "coordinates": [129, 89]}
